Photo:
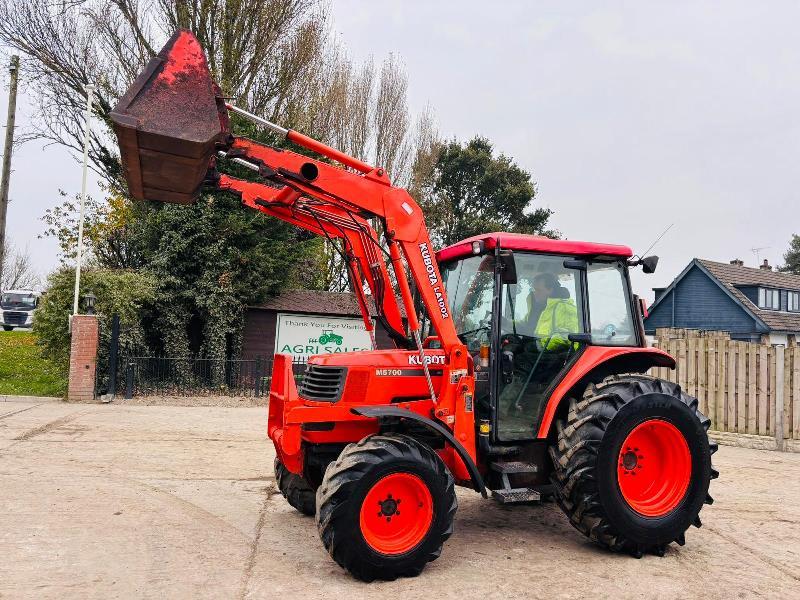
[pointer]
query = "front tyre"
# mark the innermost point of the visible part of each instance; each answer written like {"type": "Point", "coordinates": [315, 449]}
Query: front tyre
{"type": "Point", "coordinates": [633, 464]}
{"type": "Point", "coordinates": [386, 507]}
{"type": "Point", "coordinates": [299, 493]}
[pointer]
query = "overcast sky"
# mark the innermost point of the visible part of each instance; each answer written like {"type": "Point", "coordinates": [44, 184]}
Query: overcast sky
{"type": "Point", "coordinates": [630, 116]}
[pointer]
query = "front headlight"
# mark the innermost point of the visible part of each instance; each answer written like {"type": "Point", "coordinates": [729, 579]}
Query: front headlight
{"type": "Point", "coordinates": [29, 319]}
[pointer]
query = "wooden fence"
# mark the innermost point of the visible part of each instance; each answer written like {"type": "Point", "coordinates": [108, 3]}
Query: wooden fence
{"type": "Point", "coordinates": [743, 387]}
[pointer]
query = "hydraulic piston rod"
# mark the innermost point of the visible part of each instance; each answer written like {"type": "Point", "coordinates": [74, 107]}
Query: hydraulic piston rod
{"type": "Point", "coordinates": [304, 140]}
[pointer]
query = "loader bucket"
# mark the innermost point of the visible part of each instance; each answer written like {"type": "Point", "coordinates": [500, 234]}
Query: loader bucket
{"type": "Point", "coordinates": [169, 122]}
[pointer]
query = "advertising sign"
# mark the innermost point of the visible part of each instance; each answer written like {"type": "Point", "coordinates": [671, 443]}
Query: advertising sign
{"type": "Point", "coordinates": [305, 335]}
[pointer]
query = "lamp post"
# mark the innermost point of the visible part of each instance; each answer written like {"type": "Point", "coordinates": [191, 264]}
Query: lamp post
{"type": "Point", "coordinates": [79, 256]}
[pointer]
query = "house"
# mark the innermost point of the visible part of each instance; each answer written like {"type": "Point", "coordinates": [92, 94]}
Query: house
{"type": "Point", "coordinates": [751, 304]}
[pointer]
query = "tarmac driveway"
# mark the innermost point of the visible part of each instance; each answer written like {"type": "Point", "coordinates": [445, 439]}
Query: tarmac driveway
{"type": "Point", "coordinates": [159, 501]}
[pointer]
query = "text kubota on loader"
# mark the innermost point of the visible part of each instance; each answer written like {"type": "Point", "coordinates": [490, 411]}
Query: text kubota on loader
{"type": "Point", "coordinates": [511, 374]}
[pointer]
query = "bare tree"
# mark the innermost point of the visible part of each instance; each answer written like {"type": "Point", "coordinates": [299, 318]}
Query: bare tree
{"type": "Point", "coordinates": [18, 270]}
{"type": "Point", "coordinates": [276, 57]}
{"type": "Point", "coordinates": [257, 51]}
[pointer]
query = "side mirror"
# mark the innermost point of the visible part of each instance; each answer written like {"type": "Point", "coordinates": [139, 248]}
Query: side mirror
{"type": "Point", "coordinates": [649, 264]}
{"type": "Point", "coordinates": [508, 267]}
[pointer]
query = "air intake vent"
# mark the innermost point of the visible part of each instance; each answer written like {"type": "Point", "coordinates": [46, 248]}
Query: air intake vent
{"type": "Point", "coordinates": [322, 383]}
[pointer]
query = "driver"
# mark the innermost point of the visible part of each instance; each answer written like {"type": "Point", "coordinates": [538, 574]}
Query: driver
{"type": "Point", "coordinates": [559, 315]}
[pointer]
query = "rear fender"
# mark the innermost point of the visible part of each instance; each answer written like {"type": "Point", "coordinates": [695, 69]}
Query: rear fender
{"type": "Point", "coordinates": [594, 364]}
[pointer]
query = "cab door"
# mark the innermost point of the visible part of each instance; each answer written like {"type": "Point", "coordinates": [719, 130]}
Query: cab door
{"type": "Point", "coordinates": [539, 317]}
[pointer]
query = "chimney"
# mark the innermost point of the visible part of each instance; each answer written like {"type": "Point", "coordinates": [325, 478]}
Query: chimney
{"type": "Point", "coordinates": [737, 262]}
{"type": "Point", "coordinates": [765, 266]}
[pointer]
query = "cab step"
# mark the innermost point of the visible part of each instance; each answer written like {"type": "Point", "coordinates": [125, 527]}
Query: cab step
{"type": "Point", "coordinates": [507, 494]}
{"type": "Point", "coordinates": [516, 495]}
{"type": "Point", "coordinates": [514, 467]}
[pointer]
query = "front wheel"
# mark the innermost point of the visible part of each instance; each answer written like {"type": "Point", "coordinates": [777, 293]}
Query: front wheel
{"type": "Point", "coordinates": [299, 493]}
{"type": "Point", "coordinates": [7, 327]}
{"type": "Point", "coordinates": [386, 507]}
{"type": "Point", "coordinates": [633, 464]}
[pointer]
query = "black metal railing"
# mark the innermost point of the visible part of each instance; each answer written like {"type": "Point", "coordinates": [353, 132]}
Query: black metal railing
{"type": "Point", "coordinates": [169, 376]}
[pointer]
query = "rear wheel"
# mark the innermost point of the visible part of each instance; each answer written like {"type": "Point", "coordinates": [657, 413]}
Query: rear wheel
{"type": "Point", "coordinates": [385, 507]}
{"type": "Point", "coordinates": [633, 464]}
{"type": "Point", "coordinates": [299, 493]}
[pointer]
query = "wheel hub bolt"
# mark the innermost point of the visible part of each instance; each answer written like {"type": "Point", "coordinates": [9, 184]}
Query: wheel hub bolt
{"type": "Point", "coordinates": [388, 507]}
{"type": "Point", "coordinates": [629, 460]}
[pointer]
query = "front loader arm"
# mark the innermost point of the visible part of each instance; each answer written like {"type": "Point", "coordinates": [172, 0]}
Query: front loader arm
{"type": "Point", "coordinates": [173, 129]}
{"type": "Point", "coordinates": [362, 261]}
{"type": "Point", "coordinates": [338, 204]}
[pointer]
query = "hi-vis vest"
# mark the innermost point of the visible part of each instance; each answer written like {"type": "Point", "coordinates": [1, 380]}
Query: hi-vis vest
{"type": "Point", "coordinates": [558, 319]}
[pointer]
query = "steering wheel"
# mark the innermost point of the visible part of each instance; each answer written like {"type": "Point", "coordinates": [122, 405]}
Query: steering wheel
{"type": "Point", "coordinates": [527, 343]}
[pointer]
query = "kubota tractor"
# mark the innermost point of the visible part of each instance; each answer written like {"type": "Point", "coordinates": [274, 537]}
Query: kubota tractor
{"type": "Point", "coordinates": [519, 369]}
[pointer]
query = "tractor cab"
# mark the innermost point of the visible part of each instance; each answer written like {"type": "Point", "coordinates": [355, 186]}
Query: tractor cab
{"type": "Point", "coordinates": [526, 307]}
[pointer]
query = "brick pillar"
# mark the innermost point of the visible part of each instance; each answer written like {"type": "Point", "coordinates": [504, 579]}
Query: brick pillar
{"type": "Point", "coordinates": [83, 358]}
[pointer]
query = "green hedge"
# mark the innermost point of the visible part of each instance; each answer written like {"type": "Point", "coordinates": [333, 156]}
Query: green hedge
{"type": "Point", "coordinates": [126, 293]}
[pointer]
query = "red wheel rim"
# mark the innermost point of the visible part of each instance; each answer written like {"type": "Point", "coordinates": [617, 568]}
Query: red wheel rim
{"type": "Point", "coordinates": [654, 468]}
{"type": "Point", "coordinates": [396, 513]}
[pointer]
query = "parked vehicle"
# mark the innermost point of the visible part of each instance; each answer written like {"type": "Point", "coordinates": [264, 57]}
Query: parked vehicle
{"type": "Point", "coordinates": [478, 392]}
{"type": "Point", "coordinates": [17, 308]}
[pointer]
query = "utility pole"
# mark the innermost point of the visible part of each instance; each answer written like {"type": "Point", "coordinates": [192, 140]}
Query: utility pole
{"type": "Point", "coordinates": [4, 184]}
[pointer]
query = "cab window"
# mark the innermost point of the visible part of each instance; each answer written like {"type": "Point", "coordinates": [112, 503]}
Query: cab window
{"type": "Point", "coordinates": [609, 305]}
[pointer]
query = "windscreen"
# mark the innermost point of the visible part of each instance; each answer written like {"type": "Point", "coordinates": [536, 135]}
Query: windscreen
{"type": "Point", "coordinates": [18, 301]}
{"type": "Point", "coordinates": [470, 284]}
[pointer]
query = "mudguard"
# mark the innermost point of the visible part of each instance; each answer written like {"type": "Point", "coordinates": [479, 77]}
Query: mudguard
{"type": "Point", "coordinates": [391, 411]}
{"type": "Point", "coordinates": [596, 360]}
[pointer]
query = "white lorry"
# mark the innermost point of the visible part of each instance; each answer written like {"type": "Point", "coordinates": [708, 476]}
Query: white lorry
{"type": "Point", "coordinates": [17, 308]}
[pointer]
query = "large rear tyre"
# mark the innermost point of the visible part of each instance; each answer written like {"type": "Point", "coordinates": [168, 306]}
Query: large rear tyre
{"type": "Point", "coordinates": [386, 507]}
{"type": "Point", "coordinates": [299, 493]}
{"type": "Point", "coordinates": [633, 464]}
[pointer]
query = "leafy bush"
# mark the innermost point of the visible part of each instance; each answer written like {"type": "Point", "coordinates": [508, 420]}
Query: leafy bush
{"type": "Point", "coordinates": [126, 293]}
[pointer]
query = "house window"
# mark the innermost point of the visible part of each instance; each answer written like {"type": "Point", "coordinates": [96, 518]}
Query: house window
{"type": "Point", "coordinates": [794, 301]}
{"type": "Point", "coordinates": [770, 299]}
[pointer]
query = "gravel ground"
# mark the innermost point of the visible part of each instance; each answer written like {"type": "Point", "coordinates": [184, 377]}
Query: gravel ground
{"type": "Point", "coordinates": [105, 501]}
{"type": "Point", "coordinates": [221, 401]}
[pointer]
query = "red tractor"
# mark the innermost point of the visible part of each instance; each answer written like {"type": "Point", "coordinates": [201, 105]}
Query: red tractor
{"type": "Point", "coordinates": [518, 370]}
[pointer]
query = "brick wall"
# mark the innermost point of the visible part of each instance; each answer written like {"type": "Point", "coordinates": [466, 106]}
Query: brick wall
{"type": "Point", "coordinates": [83, 358]}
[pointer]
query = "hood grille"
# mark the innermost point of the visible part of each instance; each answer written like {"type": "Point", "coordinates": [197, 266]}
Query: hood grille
{"type": "Point", "coordinates": [321, 383]}
{"type": "Point", "coordinates": [15, 318]}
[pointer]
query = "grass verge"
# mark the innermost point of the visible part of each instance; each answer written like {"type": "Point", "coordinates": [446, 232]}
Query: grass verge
{"type": "Point", "coordinates": [23, 369]}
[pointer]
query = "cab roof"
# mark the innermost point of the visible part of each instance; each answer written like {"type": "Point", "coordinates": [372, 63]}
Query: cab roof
{"type": "Point", "coordinates": [532, 243]}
